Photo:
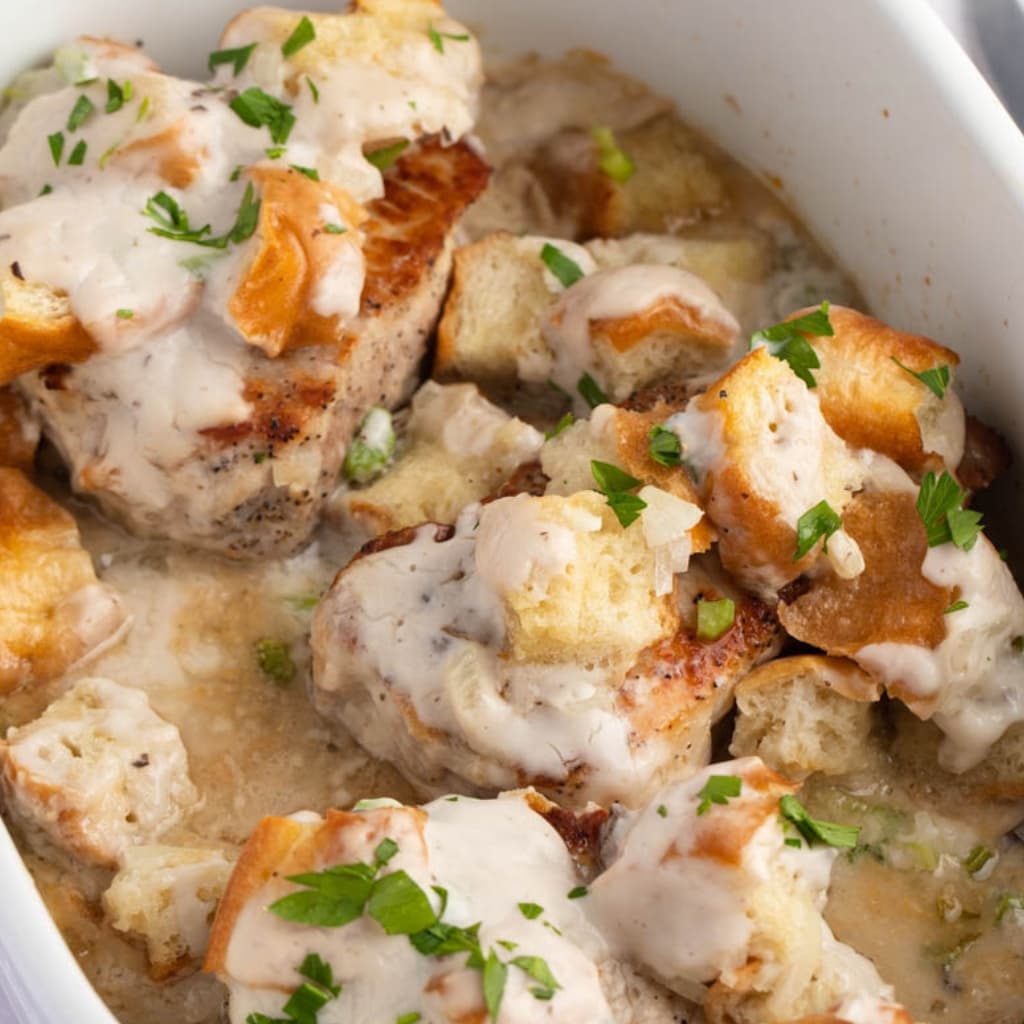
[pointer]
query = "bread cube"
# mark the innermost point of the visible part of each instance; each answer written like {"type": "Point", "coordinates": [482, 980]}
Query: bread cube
{"type": "Point", "coordinates": [167, 896]}
{"type": "Point", "coordinates": [98, 772]}
{"type": "Point", "coordinates": [806, 714]}
{"type": "Point", "coordinates": [53, 611]}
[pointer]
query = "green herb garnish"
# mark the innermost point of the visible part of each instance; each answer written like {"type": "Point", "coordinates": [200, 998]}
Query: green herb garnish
{"type": "Point", "coordinates": [437, 38]}
{"type": "Point", "coordinates": [79, 113]}
{"type": "Point", "coordinates": [313, 90]}
{"type": "Point", "coordinates": [310, 172]}
{"type": "Point", "coordinates": [531, 911]}
{"type": "Point", "coordinates": [939, 506]}
{"type": "Point", "coordinates": [591, 391]}
{"type": "Point", "coordinates": [936, 380]}
{"type": "Point", "coordinates": [237, 58]}
{"type": "Point", "coordinates": [718, 789]}
{"type": "Point", "coordinates": [788, 341]}
{"type": "Point", "coordinates": [567, 271]}
{"type": "Point", "coordinates": [815, 831]}
{"type": "Point", "coordinates": [371, 448]}
{"type": "Point", "coordinates": [820, 521]}
{"type": "Point", "coordinates": [259, 109]}
{"type": "Point", "coordinates": [125, 314]}
{"type": "Point", "coordinates": [615, 484]}
{"type": "Point", "coordinates": [56, 144]}
{"type": "Point", "coordinates": [77, 157]}
{"type": "Point", "coordinates": [956, 606]}
{"type": "Point", "coordinates": [275, 660]}
{"type": "Point", "coordinates": [303, 34]}
{"type": "Point", "coordinates": [383, 157]}
{"type": "Point", "coordinates": [335, 229]}
{"type": "Point", "coordinates": [664, 447]}
{"type": "Point", "coordinates": [495, 975]}
{"type": "Point", "coordinates": [577, 892]}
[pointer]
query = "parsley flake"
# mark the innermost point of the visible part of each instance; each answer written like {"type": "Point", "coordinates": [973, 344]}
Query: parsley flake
{"type": "Point", "coordinates": [386, 849]}
{"type": "Point", "coordinates": [46, 190]}
{"type": "Point", "coordinates": [956, 606]}
{"type": "Point", "coordinates": [531, 911]}
{"type": "Point", "coordinates": [664, 447]}
{"type": "Point", "coordinates": [125, 314]}
{"type": "Point", "coordinates": [371, 448]}
{"type": "Point", "coordinates": [819, 521]}
{"type": "Point", "coordinates": [237, 58]}
{"type": "Point", "coordinates": [77, 157]}
{"type": "Point", "coordinates": [56, 144]}
{"type": "Point", "coordinates": [437, 38]}
{"type": "Point", "coordinates": [719, 789]}
{"type": "Point", "coordinates": [591, 391]}
{"type": "Point", "coordinates": [537, 968]}
{"type": "Point", "coordinates": [173, 222]}
{"type": "Point", "coordinates": [939, 507]}
{"type": "Point", "coordinates": [612, 160]}
{"type": "Point", "coordinates": [116, 97]}
{"type": "Point", "coordinates": [815, 831]}
{"type": "Point", "coordinates": [495, 975]}
{"type": "Point", "coordinates": [335, 229]}
{"type": "Point", "coordinates": [384, 156]}
{"type": "Point", "coordinates": [259, 109]}
{"type": "Point", "coordinates": [577, 893]}
{"type": "Point", "coordinates": [399, 905]}
{"type": "Point", "coordinates": [936, 380]}
{"type": "Point", "coordinates": [313, 90]}
{"type": "Point", "coordinates": [79, 113]}
{"type": "Point", "coordinates": [309, 998]}
{"type": "Point", "coordinates": [788, 341]}
{"type": "Point", "coordinates": [310, 172]}
{"type": "Point", "coordinates": [567, 271]}
{"type": "Point", "coordinates": [563, 424]}
{"type": "Point", "coordinates": [409, 1018]}
{"type": "Point", "coordinates": [615, 484]}
{"type": "Point", "coordinates": [275, 660]}
{"type": "Point", "coordinates": [276, 152]}
{"type": "Point", "coordinates": [714, 618]}
{"type": "Point", "coordinates": [662, 811]}
{"type": "Point", "coordinates": [303, 34]}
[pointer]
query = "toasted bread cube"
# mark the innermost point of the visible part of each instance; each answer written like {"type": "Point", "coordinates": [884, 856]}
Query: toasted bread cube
{"type": "Point", "coordinates": [53, 610]}
{"type": "Point", "coordinates": [674, 182]}
{"type": "Point", "coordinates": [508, 319]}
{"type": "Point", "coordinates": [588, 595]}
{"type": "Point", "coordinates": [458, 448]}
{"type": "Point", "coordinates": [688, 858]}
{"type": "Point", "coordinates": [870, 401]}
{"type": "Point", "coordinates": [805, 714]}
{"type": "Point", "coordinates": [167, 895]}
{"type": "Point", "coordinates": [99, 771]}
{"type": "Point", "coordinates": [764, 455]}
{"type": "Point", "coordinates": [19, 432]}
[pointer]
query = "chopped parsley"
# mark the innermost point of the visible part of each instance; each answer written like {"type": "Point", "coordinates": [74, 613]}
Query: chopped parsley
{"type": "Point", "coordinates": [117, 95]}
{"type": "Point", "coordinates": [719, 789]}
{"type": "Point", "coordinates": [815, 831]}
{"type": "Point", "coordinates": [335, 229]}
{"type": "Point", "coordinates": [576, 893]}
{"type": "Point", "coordinates": [437, 38]}
{"type": "Point", "coordinates": [384, 156]}
{"type": "Point", "coordinates": [77, 157]}
{"type": "Point", "coordinates": [664, 447]}
{"type": "Point", "coordinates": [173, 222]}
{"type": "Point", "coordinates": [275, 661]}
{"type": "Point", "coordinates": [662, 811]}
{"type": "Point", "coordinates": [276, 152]}
{"type": "Point", "coordinates": [936, 380]}
{"type": "Point", "coordinates": [940, 508]}
{"type": "Point", "coordinates": [56, 144]}
{"type": "Point", "coordinates": [313, 90]}
{"type": "Point", "coordinates": [567, 271]}
{"type": "Point", "coordinates": [261, 110]}
{"type": "Point", "coordinates": [531, 911]}
{"type": "Point", "coordinates": [143, 110]}
{"type": "Point", "coordinates": [237, 58]}
{"type": "Point", "coordinates": [537, 968]}
{"type": "Point", "coordinates": [956, 606]}
{"type": "Point", "coordinates": [714, 618]}
{"type": "Point", "coordinates": [563, 424]}
{"type": "Point", "coordinates": [612, 160]}
{"type": "Point", "coordinates": [125, 314]}
{"type": "Point", "coordinates": [819, 521]}
{"type": "Point", "coordinates": [399, 905]}
{"type": "Point", "coordinates": [409, 1018]}
{"type": "Point", "coordinates": [310, 172]}
{"type": "Point", "coordinates": [788, 341]}
{"type": "Point", "coordinates": [615, 484]}
{"type": "Point", "coordinates": [371, 448]}
{"type": "Point", "coordinates": [495, 975]}
{"type": "Point", "coordinates": [80, 112]}
{"type": "Point", "coordinates": [591, 391]}
{"type": "Point", "coordinates": [303, 34]}
{"type": "Point", "coordinates": [309, 998]}
{"type": "Point", "coordinates": [46, 190]}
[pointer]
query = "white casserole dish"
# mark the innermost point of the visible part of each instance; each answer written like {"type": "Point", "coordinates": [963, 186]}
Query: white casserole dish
{"type": "Point", "coordinates": [886, 140]}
